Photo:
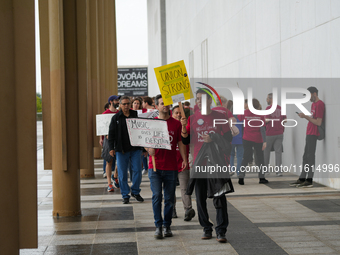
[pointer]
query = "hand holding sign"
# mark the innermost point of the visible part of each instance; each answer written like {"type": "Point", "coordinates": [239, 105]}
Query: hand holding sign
{"type": "Point", "coordinates": [173, 82]}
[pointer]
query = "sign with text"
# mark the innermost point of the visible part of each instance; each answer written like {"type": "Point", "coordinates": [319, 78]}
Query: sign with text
{"type": "Point", "coordinates": [173, 82]}
{"type": "Point", "coordinates": [103, 123]}
{"type": "Point", "coordinates": [149, 114]}
{"type": "Point", "coordinates": [150, 133]}
{"type": "Point", "coordinates": [133, 81]}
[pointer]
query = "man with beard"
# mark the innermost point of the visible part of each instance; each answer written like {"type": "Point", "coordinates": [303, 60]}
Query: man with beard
{"type": "Point", "coordinates": [318, 111]}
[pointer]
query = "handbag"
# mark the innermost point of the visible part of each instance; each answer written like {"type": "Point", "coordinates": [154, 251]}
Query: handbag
{"type": "Point", "coordinates": [106, 151]}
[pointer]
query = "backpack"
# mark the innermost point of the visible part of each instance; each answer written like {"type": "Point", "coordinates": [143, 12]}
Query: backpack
{"type": "Point", "coordinates": [322, 131]}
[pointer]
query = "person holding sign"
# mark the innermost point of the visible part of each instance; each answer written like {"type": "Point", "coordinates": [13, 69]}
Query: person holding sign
{"type": "Point", "coordinates": [197, 130]}
{"type": "Point", "coordinates": [120, 146]}
{"type": "Point", "coordinates": [183, 175]}
{"type": "Point", "coordinates": [166, 172]}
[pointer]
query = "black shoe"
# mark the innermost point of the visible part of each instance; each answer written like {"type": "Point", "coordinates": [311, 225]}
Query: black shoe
{"type": "Point", "coordinates": [207, 235]}
{"type": "Point", "coordinates": [296, 183]}
{"type": "Point", "coordinates": [126, 200]}
{"type": "Point", "coordinates": [241, 181]}
{"type": "Point", "coordinates": [159, 233]}
{"type": "Point", "coordinates": [137, 197]}
{"type": "Point", "coordinates": [167, 232]}
{"type": "Point", "coordinates": [189, 214]}
{"type": "Point", "coordinates": [263, 181]}
{"type": "Point", "coordinates": [174, 213]}
{"type": "Point", "coordinates": [221, 238]}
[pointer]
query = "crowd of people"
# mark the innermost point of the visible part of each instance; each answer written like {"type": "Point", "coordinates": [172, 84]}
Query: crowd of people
{"type": "Point", "coordinates": [194, 132]}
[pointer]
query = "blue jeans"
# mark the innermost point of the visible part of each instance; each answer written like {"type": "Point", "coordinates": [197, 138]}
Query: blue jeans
{"type": "Point", "coordinates": [145, 162]}
{"type": "Point", "coordinates": [122, 165]}
{"type": "Point", "coordinates": [239, 156]}
{"type": "Point", "coordinates": [166, 179]}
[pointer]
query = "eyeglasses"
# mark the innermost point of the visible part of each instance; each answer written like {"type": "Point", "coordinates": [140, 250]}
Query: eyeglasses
{"type": "Point", "coordinates": [125, 104]}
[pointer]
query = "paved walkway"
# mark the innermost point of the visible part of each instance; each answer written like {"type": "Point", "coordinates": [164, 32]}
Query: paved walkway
{"type": "Point", "coordinates": [264, 219]}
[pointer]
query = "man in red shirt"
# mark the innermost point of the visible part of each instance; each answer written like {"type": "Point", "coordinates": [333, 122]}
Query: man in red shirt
{"type": "Point", "coordinates": [167, 171]}
{"type": "Point", "coordinates": [274, 134]}
{"type": "Point", "coordinates": [196, 131]}
{"type": "Point", "coordinates": [113, 101]}
{"type": "Point", "coordinates": [254, 137]}
{"type": "Point", "coordinates": [308, 164]}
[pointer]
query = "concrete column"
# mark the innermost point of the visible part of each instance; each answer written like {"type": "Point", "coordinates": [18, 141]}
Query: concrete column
{"type": "Point", "coordinates": [45, 82]}
{"type": "Point", "coordinates": [97, 106]}
{"type": "Point", "coordinates": [101, 51]}
{"type": "Point", "coordinates": [64, 107]}
{"type": "Point", "coordinates": [112, 50]}
{"type": "Point", "coordinates": [85, 135]}
{"type": "Point", "coordinates": [18, 217]}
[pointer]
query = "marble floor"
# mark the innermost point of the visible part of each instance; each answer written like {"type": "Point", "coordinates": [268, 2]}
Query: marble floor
{"type": "Point", "coordinates": [263, 219]}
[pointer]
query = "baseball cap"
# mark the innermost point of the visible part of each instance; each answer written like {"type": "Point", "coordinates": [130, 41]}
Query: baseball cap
{"type": "Point", "coordinates": [113, 97]}
{"type": "Point", "coordinates": [312, 90]}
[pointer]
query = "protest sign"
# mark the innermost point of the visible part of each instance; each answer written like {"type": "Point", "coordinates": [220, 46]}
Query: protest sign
{"type": "Point", "coordinates": [102, 123]}
{"type": "Point", "coordinates": [173, 82]}
{"type": "Point", "coordinates": [149, 115]}
{"type": "Point", "coordinates": [151, 133]}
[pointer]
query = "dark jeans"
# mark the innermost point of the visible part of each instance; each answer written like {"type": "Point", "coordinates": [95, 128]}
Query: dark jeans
{"type": "Point", "coordinates": [308, 159]}
{"type": "Point", "coordinates": [220, 204]}
{"type": "Point", "coordinates": [247, 155]}
{"type": "Point", "coordinates": [166, 179]}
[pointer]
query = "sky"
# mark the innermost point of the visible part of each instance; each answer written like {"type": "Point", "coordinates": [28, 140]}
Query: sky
{"type": "Point", "coordinates": [132, 35]}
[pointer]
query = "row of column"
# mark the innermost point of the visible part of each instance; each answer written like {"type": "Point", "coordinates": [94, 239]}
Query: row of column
{"type": "Point", "coordinates": [79, 73]}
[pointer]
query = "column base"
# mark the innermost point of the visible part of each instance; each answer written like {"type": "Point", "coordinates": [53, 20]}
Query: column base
{"type": "Point", "coordinates": [66, 213]}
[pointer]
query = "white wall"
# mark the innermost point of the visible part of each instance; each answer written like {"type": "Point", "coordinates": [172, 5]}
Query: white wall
{"type": "Point", "coordinates": [154, 44]}
{"type": "Point", "coordinates": [261, 39]}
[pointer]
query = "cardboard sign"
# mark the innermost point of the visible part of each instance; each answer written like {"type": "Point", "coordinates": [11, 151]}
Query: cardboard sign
{"type": "Point", "coordinates": [103, 123]}
{"type": "Point", "coordinates": [149, 115]}
{"type": "Point", "coordinates": [151, 133]}
{"type": "Point", "coordinates": [173, 82]}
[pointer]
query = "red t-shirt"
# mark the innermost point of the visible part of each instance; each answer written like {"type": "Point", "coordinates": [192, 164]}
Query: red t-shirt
{"type": "Point", "coordinates": [318, 111]}
{"type": "Point", "coordinates": [223, 110]}
{"type": "Point", "coordinates": [144, 110]}
{"type": "Point", "coordinates": [252, 134]}
{"type": "Point", "coordinates": [275, 127]}
{"type": "Point", "coordinates": [165, 159]}
{"type": "Point", "coordinates": [108, 111]}
{"type": "Point", "coordinates": [179, 158]}
{"type": "Point", "coordinates": [199, 125]}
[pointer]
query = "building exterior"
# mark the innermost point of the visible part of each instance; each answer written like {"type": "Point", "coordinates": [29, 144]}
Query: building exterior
{"type": "Point", "coordinates": [256, 39]}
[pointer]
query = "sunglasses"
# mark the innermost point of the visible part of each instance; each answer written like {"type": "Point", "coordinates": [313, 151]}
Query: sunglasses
{"type": "Point", "coordinates": [125, 103]}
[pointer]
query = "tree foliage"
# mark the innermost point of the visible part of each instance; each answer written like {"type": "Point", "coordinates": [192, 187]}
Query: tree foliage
{"type": "Point", "coordinates": [39, 109]}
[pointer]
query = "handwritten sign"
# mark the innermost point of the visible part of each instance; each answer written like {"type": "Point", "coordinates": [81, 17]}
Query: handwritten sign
{"type": "Point", "coordinates": [103, 123]}
{"type": "Point", "coordinates": [150, 133]}
{"type": "Point", "coordinates": [149, 115]}
{"type": "Point", "coordinates": [173, 82]}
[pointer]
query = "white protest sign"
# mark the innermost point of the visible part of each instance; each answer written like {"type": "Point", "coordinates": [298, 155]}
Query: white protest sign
{"type": "Point", "coordinates": [103, 123]}
{"type": "Point", "coordinates": [149, 115]}
{"type": "Point", "coordinates": [150, 133]}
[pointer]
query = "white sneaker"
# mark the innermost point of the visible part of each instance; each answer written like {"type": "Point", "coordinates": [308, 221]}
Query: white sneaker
{"type": "Point", "coordinates": [144, 172]}
{"type": "Point", "coordinates": [279, 174]}
{"type": "Point", "coordinates": [104, 175]}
